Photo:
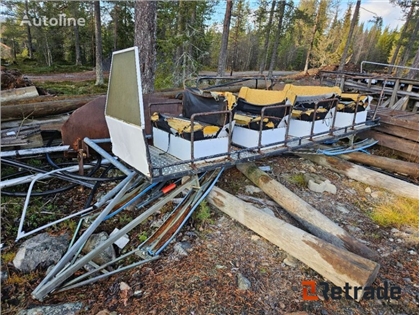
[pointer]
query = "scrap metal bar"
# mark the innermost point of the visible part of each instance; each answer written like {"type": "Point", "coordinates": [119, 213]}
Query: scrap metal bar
{"type": "Point", "coordinates": [56, 174]}
{"type": "Point", "coordinates": [94, 279]}
{"type": "Point", "coordinates": [50, 282]}
{"type": "Point", "coordinates": [29, 178]}
{"type": "Point", "coordinates": [109, 157]}
{"type": "Point", "coordinates": [384, 64]}
{"type": "Point", "coordinates": [34, 151]}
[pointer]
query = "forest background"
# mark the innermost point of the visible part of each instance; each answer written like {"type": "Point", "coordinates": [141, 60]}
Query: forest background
{"type": "Point", "coordinates": [186, 38]}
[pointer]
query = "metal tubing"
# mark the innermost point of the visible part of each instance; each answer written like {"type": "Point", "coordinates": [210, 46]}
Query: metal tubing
{"type": "Point", "coordinates": [29, 178]}
{"type": "Point", "coordinates": [109, 274]}
{"type": "Point", "coordinates": [130, 201]}
{"type": "Point", "coordinates": [28, 195]}
{"type": "Point", "coordinates": [46, 286]}
{"type": "Point", "coordinates": [201, 198]}
{"type": "Point", "coordinates": [384, 64]}
{"type": "Point", "coordinates": [34, 151]}
{"type": "Point", "coordinates": [109, 157]}
{"type": "Point", "coordinates": [57, 174]}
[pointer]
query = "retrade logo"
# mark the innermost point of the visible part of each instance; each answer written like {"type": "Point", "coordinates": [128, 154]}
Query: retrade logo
{"type": "Point", "coordinates": [336, 292]}
{"type": "Point", "coordinates": [309, 290]}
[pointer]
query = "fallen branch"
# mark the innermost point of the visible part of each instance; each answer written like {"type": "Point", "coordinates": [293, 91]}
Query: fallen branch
{"type": "Point", "coordinates": [335, 264]}
{"type": "Point", "coordinates": [313, 220]}
{"type": "Point", "coordinates": [365, 175]}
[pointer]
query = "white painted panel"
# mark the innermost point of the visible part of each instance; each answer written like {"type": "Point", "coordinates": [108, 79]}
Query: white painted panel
{"type": "Point", "coordinates": [248, 138]}
{"type": "Point", "coordinates": [301, 128]}
{"type": "Point", "coordinates": [346, 119]}
{"type": "Point", "coordinates": [128, 143]}
{"type": "Point", "coordinates": [181, 148]}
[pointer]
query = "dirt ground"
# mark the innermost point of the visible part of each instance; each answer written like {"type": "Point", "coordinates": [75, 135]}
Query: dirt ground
{"type": "Point", "coordinates": [205, 281]}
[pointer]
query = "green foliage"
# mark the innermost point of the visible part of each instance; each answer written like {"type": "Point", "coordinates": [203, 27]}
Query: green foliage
{"type": "Point", "coordinates": [202, 215]}
{"type": "Point", "coordinates": [7, 257]}
{"type": "Point", "coordinates": [74, 88]}
{"type": "Point", "coordinates": [298, 179]}
{"type": "Point", "coordinates": [142, 236]}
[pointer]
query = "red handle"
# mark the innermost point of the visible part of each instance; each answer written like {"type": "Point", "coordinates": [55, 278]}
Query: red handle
{"type": "Point", "coordinates": [168, 188]}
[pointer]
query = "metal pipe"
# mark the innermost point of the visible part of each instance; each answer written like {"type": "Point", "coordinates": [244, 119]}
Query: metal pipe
{"type": "Point", "coordinates": [46, 287]}
{"type": "Point", "coordinates": [28, 195]}
{"type": "Point", "coordinates": [28, 178]}
{"type": "Point", "coordinates": [109, 273]}
{"type": "Point", "coordinates": [34, 151]}
{"type": "Point", "coordinates": [109, 157]}
{"type": "Point", "coordinates": [384, 64]}
{"type": "Point", "coordinates": [56, 174]}
{"type": "Point", "coordinates": [50, 282]}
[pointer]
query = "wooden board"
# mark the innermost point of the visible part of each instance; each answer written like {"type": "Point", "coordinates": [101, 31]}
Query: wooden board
{"type": "Point", "coordinates": [395, 143]}
{"type": "Point", "coordinates": [399, 131]}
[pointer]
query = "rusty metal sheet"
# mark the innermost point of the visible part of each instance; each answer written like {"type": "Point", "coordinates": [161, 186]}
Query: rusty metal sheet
{"type": "Point", "coordinates": [86, 121]}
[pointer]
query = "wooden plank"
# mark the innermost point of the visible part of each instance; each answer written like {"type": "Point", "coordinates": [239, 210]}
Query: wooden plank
{"type": "Point", "coordinates": [411, 123]}
{"type": "Point", "coordinates": [395, 143]}
{"type": "Point", "coordinates": [335, 264]}
{"type": "Point", "coordinates": [17, 94]}
{"type": "Point", "coordinates": [365, 175]}
{"type": "Point", "coordinates": [313, 220]}
{"type": "Point", "coordinates": [399, 131]}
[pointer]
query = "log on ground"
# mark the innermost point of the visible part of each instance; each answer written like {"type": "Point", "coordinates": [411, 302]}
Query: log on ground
{"type": "Point", "coordinates": [25, 111]}
{"type": "Point", "coordinates": [365, 175]}
{"type": "Point", "coordinates": [388, 164]}
{"type": "Point", "coordinates": [335, 264]}
{"type": "Point", "coordinates": [313, 220]}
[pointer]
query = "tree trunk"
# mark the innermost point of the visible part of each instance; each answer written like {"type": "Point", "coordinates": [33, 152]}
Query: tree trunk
{"type": "Point", "coordinates": [311, 44]}
{"type": "Point", "coordinates": [365, 175]}
{"type": "Point", "coordinates": [408, 48]}
{"type": "Point", "coordinates": [388, 164]}
{"type": "Point", "coordinates": [77, 45]}
{"type": "Point", "coordinates": [116, 11]}
{"type": "Point", "coordinates": [335, 264]}
{"type": "Point", "coordinates": [41, 109]}
{"type": "Point", "coordinates": [225, 39]}
{"type": "Point", "coordinates": [350, 35]}
{"type": "Point", "coordinates": [28, 31]}
{"type": "Point", "coordinates": [282, 6]}
{"type": "Point", "coordinates": [267, 38]}
{"type": "Point", "coordinates": [98, 44]}
{"type": "Point", "coordinates": [402, 36]}
{"type": "Point", "coordinates": [145, 39]}
{"type": "Point", "coordinates": [414, 73]}
{"type": "Point", "coordinates": [317, 223]}
{"type": "Point", "coordinates": [76, 36]}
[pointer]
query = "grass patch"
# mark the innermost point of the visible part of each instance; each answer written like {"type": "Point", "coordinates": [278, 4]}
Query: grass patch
{"type": "Point", "coordinates": [397, 213]}
{"type": "Point", "coordinates": [28, 66]}
{"type": "Point", "coordinates": [74, 88]}
{"type": "Point", "coordinates": [298, 179]}
{"type": "Point", "coordinates": [7, 257]}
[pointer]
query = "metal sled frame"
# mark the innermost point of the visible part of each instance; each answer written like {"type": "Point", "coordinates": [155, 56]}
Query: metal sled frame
{"type": "Point", "coordinates": [125, 117]}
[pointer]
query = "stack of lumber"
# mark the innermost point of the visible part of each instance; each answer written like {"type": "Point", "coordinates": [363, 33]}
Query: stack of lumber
{"type": "Point", "coordinates": [399, 131]}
